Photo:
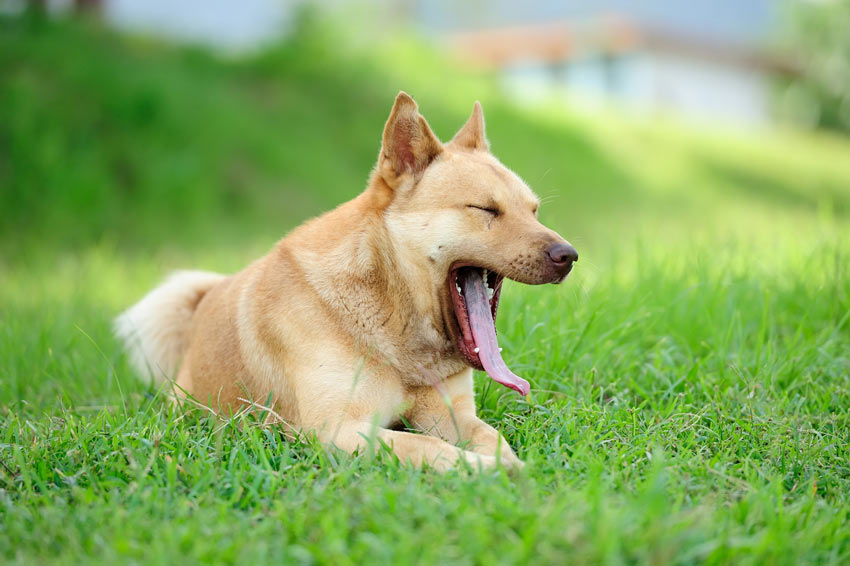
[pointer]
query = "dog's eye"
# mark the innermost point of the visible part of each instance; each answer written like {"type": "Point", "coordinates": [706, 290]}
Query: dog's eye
{"type": "Point", "coordinates": [487, 209]}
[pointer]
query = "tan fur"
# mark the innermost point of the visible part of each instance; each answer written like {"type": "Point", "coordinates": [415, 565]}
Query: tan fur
{"type": "Point", "coordinates": [156, 329]}
{"type": "Point", "coordinates": [347, 324]}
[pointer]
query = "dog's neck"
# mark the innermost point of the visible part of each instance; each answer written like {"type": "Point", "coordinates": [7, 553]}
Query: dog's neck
{"type": "Point", "coordinates": [349, 258]}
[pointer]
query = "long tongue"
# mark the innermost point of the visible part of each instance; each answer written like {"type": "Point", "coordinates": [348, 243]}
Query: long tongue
{"type": "Point", "coordinates": [484, 331]}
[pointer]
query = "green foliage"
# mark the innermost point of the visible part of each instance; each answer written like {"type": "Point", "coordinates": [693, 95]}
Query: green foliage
{"type": "Point", "coordinates": [689, 381]}
{"type": "Point", "coordinates": [821, 96]}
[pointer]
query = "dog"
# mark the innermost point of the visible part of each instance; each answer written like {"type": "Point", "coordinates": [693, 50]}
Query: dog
{"type": "Point", "coordinates": [373, 315]}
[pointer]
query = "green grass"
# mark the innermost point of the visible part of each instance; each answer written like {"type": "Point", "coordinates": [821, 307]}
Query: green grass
{"type": "Point", "coordinates": [690, 381]}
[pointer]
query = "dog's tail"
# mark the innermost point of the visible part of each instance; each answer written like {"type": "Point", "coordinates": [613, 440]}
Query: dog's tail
{"type": "Point", "coordinates": [155, 331]}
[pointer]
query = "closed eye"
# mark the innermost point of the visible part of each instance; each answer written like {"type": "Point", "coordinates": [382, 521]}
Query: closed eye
{"type": "Point", "coordinates": [488, 209]}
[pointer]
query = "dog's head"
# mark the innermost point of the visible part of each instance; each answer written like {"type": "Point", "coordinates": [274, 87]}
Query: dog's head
{"type": "Point", "coordinates": [461, 222]}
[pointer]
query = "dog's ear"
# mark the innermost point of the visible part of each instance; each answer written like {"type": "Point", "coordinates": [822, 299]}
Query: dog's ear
{"type": "Point", "coordinates": [471, 135]}
{"type": "Point", "coordinates": [409, 145]}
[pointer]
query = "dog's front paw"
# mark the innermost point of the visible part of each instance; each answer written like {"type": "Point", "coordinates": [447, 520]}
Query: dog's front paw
{"type": "Point", "coordinates": [480, 462]}
{"type": "Point", "coordinates": [511, 463]}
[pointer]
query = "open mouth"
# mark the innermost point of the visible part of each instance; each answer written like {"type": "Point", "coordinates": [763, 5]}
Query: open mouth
{"type": "Point", "coordinates": [475, 295]}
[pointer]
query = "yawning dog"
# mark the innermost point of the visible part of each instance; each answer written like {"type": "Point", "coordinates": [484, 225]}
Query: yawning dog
{"type": "Point", "coordinates": [372, 314]}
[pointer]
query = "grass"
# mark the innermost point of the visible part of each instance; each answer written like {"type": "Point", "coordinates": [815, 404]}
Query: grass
{"type": "Point", "coordinates": [690, 386]}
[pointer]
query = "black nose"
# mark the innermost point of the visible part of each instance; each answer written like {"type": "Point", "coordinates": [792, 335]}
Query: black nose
{"type": "Point", "coordinates": [562, 254]}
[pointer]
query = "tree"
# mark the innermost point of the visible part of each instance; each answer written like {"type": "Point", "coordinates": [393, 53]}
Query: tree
{"type": "Point", "coordinates": [821, 95]}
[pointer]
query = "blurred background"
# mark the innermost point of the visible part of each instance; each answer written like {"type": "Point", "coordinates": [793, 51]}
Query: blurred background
{"type": "Point", "coordinates": [143, 123]}
{"type": "Point", "coordinates": [748, 62]}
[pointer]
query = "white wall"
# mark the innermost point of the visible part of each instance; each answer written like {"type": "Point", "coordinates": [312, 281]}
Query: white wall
{"type": "Point", "coordinates": [702, 90]}
{"type": "Point", "coordinates": [646, 82]}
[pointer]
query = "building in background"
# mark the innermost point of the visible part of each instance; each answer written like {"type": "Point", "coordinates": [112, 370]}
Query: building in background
{"type": "Point", "coordinates": [644, 68]}
{"type": "Point", "coordinates": [705, 59]}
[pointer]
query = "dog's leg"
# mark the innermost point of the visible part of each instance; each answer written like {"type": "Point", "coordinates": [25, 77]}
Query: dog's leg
{"type": "Point", "coordinates": [448, 412]}
{"type": "Point", "coordinates": [417, 449]}
{"type": "Point", "coordinates": [351, 413]}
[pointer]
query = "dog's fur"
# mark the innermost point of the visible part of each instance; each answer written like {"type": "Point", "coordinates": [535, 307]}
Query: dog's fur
{"type": "Point", "coordinates": [347, 324]}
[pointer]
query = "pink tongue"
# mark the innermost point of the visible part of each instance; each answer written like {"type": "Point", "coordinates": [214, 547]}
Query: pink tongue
{"type": "Point", "coordinates": [484, 331]}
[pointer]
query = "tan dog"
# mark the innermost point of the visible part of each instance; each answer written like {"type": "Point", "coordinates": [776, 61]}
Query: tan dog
{"type": "Point", "coordinates": [375, 312]}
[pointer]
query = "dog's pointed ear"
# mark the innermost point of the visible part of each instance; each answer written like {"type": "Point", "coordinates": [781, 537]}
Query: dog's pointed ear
{"type": "Point", "coordinates": [409, 145]}
{"type": "Point", "coordinates": [471, 135]}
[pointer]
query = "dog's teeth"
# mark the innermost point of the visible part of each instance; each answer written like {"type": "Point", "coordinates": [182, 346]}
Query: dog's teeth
{"type": "Point", "coordinates": [458, 288]}
{"type": "Point", "coordinates": [477, 350]}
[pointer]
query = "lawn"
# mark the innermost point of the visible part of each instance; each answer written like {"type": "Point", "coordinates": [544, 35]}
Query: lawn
{"type": "Point", "coordinates": [690, 396]}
